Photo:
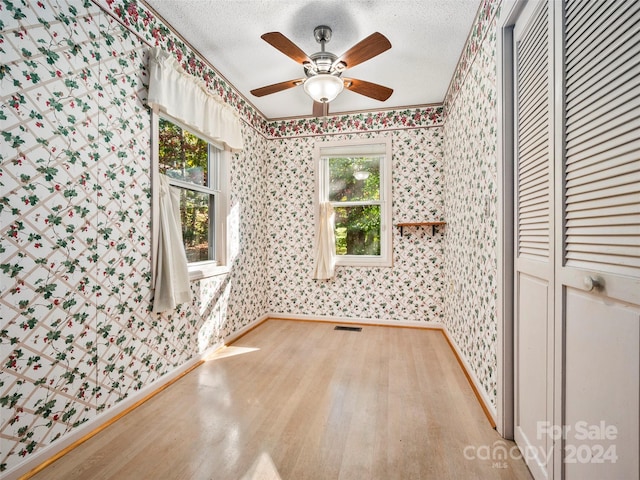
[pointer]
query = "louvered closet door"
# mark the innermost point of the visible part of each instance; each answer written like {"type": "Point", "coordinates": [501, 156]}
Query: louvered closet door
{"type": "Point", "coordinates": [534, 248]}
{"type": "Point", "coordinates": [600, 273]}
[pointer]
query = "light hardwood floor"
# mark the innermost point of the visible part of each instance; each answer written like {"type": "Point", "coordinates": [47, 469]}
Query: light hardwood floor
{"type": "Point", "coordinates": [299, 400]}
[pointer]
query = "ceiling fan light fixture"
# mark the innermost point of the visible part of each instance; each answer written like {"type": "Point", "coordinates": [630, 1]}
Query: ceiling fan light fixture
{"type": "Point", "coordinates": [323, 88]}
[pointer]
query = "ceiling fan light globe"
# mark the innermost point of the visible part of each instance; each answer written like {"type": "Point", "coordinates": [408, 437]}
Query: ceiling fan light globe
{"type": "Point", "coordinates": [323, 88]}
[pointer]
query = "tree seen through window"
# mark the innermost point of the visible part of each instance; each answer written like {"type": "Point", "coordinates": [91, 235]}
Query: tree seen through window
{"type": "Point", "coordinates": [354, 190]}
{"type": "Point", "coordinates": [185, 159]}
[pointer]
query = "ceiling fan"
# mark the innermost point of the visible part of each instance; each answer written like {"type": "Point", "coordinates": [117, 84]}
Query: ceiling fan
{"type": "Point", "coordinates": [323, 70]}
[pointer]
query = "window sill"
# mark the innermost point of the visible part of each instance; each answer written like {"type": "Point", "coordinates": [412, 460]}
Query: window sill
{"type": "Point", "coordinates": [198, 271]}
{"type": "Point", "coordinates": [362, 261]}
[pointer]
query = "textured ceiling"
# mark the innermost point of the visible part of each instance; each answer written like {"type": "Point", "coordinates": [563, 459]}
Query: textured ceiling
{"type": "Point", "coordinates": [427, 37]}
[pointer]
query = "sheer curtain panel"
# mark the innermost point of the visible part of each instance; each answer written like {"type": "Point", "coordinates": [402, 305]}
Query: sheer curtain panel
{"type": "Point", "coordinates": [172, 275]}
{"type": "Point", "coordinates": [326, 244]}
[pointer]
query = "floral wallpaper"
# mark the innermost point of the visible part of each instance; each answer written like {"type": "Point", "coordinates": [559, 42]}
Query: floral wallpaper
{"type": "Point", "coordinates": [484, 24]}
{"type": "Point", "coordinates": [77, 335]}
{"type": "Point", "coordinates": [411, 290]}
{"type": "Point", "coordinates": [357, 123]}
{"type": "Point", "coordinates": [470, 196]}
{"type": "Point", "coordinates": [137, 18]}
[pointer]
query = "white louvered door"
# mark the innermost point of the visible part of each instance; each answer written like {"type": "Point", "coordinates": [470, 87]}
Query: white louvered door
{"type": "Point", "coordinates": [598, 274]}
{"type": "Point", "coordinates": [534, 247]}
{"type": "Point", "coordinates": [576, 304]}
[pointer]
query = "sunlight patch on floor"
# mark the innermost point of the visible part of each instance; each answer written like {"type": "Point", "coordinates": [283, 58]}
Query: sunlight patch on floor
{"type": "Point", "coordinates": [263, 469]}
{"type": "Point", "coordinates": [229, 351]}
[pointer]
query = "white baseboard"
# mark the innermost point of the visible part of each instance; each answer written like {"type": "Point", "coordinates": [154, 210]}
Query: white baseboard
{"type": "Point", "coordinates": [356, 320]}
{"type": "Point", "coordinates": [96, 423]}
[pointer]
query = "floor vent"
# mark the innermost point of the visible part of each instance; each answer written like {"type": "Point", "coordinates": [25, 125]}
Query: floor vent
{"type": "Point", "coordinates": [348, 329]}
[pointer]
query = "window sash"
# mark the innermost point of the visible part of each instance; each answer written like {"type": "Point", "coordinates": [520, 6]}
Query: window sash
{"type": "Point", "coordinates": [378, 147]}
{"type": "Point", "coordinates": [325, 175]}
{"type": "Point", "coordinates": [211, 237]}
{"type": "Point", "coordinates": [191, 186]}
{"type": "Point", "coordinates": [213, 188]}
{"type": "Point", "coordinates": [357, 204]}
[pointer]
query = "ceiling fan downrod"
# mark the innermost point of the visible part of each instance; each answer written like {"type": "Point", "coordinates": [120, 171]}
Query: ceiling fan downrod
{"type": "Point", "coordinates": [323, 61]}
{"type": "Point", "coordinates": [322, 34]}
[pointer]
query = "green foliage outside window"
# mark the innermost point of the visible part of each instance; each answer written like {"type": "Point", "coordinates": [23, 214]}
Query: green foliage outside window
{"type": "Point", "coordinates": [357, 227]}
{"type": "Point", "coordinates": [185, 157]}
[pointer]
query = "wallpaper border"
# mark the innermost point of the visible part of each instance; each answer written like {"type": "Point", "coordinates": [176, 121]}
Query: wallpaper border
{"type": "Point", "coordinates": [481, 27]}
{"type": "Point", "coordinates": [140, 19]}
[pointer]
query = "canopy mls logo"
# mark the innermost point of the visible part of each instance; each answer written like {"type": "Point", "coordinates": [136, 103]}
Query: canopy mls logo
{"type": "Point", "coordinates": [582, 443]}
{"type": "Point", "coordinates": [498, 453]}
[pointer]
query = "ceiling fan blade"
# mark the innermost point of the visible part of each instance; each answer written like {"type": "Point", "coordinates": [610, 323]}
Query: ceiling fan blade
{"type": "Point", "coordinates": [286, 46]}
{"type": "Point", "coordinates": [368, 89]}
{"type": "Point", "coordinates": [320, 109]}
{"type": "Point", "coordinates": [276, 87]}
{"type": "Point", "coordinates": [373, 45]}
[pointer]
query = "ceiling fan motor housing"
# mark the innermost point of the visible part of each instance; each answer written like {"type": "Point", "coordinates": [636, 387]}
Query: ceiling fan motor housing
{"type": "Point", "coordinates": [322, 63]}
{"type": "Point", "coordinates": [322, 34]}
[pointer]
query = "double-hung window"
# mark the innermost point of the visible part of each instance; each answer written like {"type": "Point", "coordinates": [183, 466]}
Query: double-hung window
{"type": "Point", "coordinates": [194, 165]}
{"type": "Point", "coordinates": [355, 177]}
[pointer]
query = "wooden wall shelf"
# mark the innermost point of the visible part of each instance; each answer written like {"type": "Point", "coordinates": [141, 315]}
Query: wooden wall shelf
{"type": "Point", "coordinates": [419, 224]}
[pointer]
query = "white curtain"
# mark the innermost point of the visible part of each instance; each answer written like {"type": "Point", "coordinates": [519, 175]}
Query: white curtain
{"type": "Point", "coordinates": [187, 99]}
{"type": "Point", "coordinates": [326, 253]}
{"type": "Point", "coordinates": [172, 275]}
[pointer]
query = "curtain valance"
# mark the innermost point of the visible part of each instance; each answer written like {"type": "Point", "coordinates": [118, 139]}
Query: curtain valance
{"type": "Point", "coordinates": [186, 98]}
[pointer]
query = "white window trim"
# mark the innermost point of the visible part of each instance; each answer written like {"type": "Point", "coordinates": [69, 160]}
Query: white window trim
{"type": "Point", "coordinates": [197, 270]}
{"type": "Point", "coordinates": [385, 259]}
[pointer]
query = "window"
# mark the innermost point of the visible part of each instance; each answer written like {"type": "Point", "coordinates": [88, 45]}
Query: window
{"type": "Point", "coordinates": [194, 165]}
{"type": "Point", "coordinates": [355, 176]}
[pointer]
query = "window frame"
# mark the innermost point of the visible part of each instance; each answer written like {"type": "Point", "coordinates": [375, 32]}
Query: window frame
{"type": "Point", "coordinates": [360, 147]}
{"type": "Point", "coordinates": [219, 184]}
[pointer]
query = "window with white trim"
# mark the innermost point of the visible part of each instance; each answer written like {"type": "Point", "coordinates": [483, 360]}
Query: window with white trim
{"type": "Point", "coordinates": [195, 166]}
{"type": "Point", "coordinates": [355, 177]}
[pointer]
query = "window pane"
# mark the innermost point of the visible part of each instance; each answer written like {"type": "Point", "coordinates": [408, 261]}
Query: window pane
{"type": "Point", "coordinates": [357, 230]}
{"type": "Point", "coordinates": [354, 179]}
{"type": "Point", "coordinates": [182, 155]}
{"type": "Point", "coordinates": [194, 215]}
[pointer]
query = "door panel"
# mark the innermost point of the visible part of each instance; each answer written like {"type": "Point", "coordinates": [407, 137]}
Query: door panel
{"type": "Point", "coordinates": [602, 385]}
{"type": "Point", "coordinates": [576, 95]}
{"type": "Point", "coordinates": [531, 385]}
{"type": "Point", "coordinates": [599, 272]}
{"type": "Point", "coordinates": [533, 245]}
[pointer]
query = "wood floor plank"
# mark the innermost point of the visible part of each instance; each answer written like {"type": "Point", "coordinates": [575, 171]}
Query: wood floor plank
{"type": "Point", "coordinates": [300, 400]}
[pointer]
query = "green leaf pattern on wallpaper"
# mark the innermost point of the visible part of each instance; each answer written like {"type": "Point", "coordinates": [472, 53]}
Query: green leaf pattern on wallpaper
{"type": "Point", "coordinates": [412, 289]}
{"type": "Point", "coordinates": [75, 225]}
{"type": "Point", "coordinates": [76, 334]}
{"type": "Point", "coordinates": [471, 172]}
